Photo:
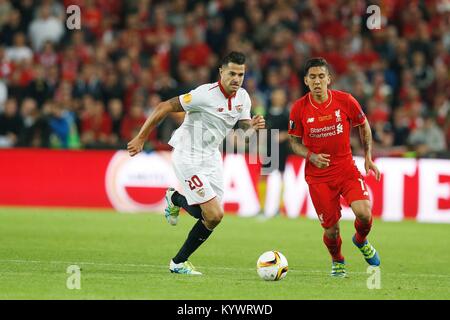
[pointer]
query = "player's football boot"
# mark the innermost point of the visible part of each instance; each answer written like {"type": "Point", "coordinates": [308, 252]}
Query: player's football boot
{"type": "Point", "coordinates": [171, 211]}
{"type": "Point", "coordinates": [369, 252]}
{"type": "Point", "coordinates": [183, 268]}
{"type": "Point", "coordinates": [338, 269]}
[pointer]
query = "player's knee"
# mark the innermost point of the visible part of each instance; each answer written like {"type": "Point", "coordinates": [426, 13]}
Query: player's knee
{"type": "Point", "coordinates": [217, 217]}
{"type": "Point", "coordinates": [214, 217]}
{"type": "Point", "coordinates": [364, 213]}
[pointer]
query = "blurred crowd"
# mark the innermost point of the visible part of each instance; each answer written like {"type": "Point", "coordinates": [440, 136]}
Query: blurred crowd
{"type": "Point", "coordinates": [94, 87]}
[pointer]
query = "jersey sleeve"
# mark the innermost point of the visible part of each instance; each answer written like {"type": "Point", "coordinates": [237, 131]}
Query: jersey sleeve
{"type": "Point", "coordinates": [193, 100]}
{"type": "Point", "coordinates": [295, 124]}
{"type": "Point", "coordinates": [355, 112]}
{"type": "Point", "coordinates": [245, 115]}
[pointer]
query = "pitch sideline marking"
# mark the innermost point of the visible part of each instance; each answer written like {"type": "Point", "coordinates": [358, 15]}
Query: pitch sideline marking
{"type": "Point", "coordinates": [220, 268]}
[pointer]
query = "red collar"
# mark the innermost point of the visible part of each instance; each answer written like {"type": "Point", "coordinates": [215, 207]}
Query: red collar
{"type": "Point", "coordinates": [225, 93]}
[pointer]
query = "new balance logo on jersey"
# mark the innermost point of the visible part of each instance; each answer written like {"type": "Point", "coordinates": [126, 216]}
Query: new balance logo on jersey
{"type": "Point", "coordinates": [339, 128]}
{"type": "Point", "coordinates": [338, 115]}
{"type": "Point", "coordinates": [310, 120]}
{"type": "Point", "coordinates": [239, 107]}
{"type": "Point", "coordinates": [220, 109]}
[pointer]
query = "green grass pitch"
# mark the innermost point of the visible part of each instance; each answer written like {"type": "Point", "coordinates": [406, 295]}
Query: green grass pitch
{"type": "Point", "coordinates": [126, 256]}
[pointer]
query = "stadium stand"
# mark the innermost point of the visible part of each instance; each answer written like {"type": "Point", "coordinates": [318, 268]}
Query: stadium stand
{"type": "Point", "coordinates": [94, 87]}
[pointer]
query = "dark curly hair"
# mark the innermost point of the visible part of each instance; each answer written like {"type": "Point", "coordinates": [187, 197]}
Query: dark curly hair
{"type": "Point", "coordinates": [234, 57]}
{"type": "Point", "coordinates": [316, 62]}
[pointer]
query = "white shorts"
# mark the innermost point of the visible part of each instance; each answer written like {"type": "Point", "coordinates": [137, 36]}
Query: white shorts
{"type": "Point", "coordinates": [201, 180]}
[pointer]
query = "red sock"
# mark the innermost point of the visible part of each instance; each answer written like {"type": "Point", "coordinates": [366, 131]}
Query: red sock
{"type": "Point", "coordinates": [334, 247]}
{"type": "Point", "coordinates": [362, 230]}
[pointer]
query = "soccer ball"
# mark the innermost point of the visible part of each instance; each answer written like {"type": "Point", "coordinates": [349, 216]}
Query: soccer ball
{"type": "Point", "coordinates": [272, 266]}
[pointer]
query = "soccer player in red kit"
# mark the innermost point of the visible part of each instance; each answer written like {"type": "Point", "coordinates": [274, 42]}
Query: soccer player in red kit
{"type": "Point", "coordinates": [319, 128]}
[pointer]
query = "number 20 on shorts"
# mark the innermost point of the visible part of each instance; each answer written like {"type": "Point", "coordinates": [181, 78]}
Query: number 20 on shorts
{"type": "Point", "coordinates": [194, 182]}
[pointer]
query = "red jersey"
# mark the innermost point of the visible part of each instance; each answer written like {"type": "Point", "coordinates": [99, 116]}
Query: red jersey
{"type": "Point", "coordinates": [325, 128]}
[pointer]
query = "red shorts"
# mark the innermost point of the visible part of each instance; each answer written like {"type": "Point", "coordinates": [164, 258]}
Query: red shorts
{"type": "Point", "coordinates": [326, 197]}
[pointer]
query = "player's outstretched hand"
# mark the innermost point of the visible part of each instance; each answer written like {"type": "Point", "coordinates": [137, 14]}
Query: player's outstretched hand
{"type": "Point", "coordinates": [369, 165]}
{"type": "Point", "coordinates": [258, 122]}
{"type": "Point", "coordinates": [135, 146]}
{"type": "Point", "coordinates": [320, 160]}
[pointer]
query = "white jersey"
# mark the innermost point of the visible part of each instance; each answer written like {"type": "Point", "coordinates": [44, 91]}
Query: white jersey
{"type": "Point", "coordinates": [210, 115]}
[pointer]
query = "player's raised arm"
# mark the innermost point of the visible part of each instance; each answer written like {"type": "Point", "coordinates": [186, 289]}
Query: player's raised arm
{"type": "Point", "coordinates": [159, 113]}
{"type": "Point", "coordinates": [365, 133]}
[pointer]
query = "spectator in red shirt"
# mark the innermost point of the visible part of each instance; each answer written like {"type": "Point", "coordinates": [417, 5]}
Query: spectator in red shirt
{"type": "Point", "coordinates": [414, 107]}
{"type": "Point", "coordinates": [159, 30]}
{"type": "Point", "coordinates": [330, 24]}
{"type": "Point", "coordinates": [47, 57]}
{"type": "Point", "coordinates": [70, 63]}
{"type": "Point", "coordinates": [334, 56]}
{"type": "Point", "coordinates": [308, 36]}
{"type": "Point", "coordinates": [196, 53]}
{"type": "Point", "coordinates": [367, 56]}
{"type": "Point", "coordinates": [83, 49]}
{"type": "Point", "coordinates": [92, 17]}
{"type": "Point", "coordinates": [133, 122]}
{"type": "Point", "coordinates": [96, 125]}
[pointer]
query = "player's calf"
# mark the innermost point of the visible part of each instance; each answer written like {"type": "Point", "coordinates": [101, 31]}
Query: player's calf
{"type": "Point", "coordinates": [196, 237]}
{"type": "Point", "coordinates": [363, 221]}
{"type": "Point", "coordinates": [334, 247]}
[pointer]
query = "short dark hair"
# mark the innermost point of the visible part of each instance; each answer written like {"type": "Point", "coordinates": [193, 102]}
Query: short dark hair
{"type": "Point", "coordinates": [316, 62]}
{"type": "Point", "coordinates": [234, 57]}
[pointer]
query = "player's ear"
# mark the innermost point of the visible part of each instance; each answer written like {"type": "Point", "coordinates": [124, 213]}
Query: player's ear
{"type": "Point", "coordinates": [305, 79]}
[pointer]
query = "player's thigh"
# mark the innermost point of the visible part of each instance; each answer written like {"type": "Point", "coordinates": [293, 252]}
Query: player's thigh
{"type": "Point", "coordinates": [216, 180]}
{"type": "Point", "coordinates": [354, 189]}
{"type": "Point", "coordinates": [356, 194]}
{"type": "Point", "coordinates": [326, 201]}
{"type": "Point", "coordinates": [213, 170]}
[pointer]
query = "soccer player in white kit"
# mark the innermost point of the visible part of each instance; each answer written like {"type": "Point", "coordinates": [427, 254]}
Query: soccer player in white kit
{"type": "Point", "coordinates": [212, 110]}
